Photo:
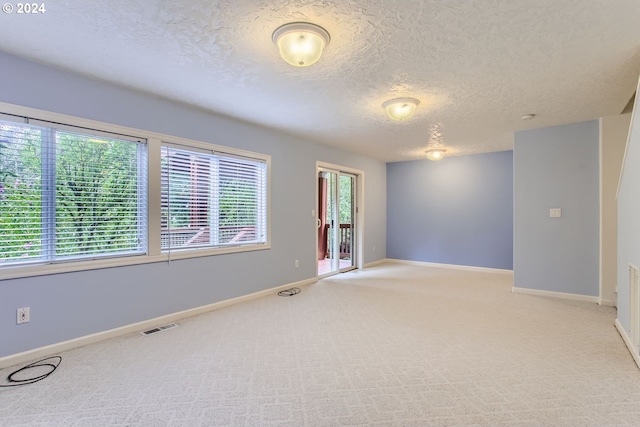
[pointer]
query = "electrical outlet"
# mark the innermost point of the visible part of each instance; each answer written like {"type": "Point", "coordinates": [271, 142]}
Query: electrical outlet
{"type": "Point", "coordinates": [297, 263]}
{"type": "Point", "coordinates": [24, 315]}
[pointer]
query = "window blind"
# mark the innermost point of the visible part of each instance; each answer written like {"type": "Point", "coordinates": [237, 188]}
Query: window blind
{"type": "Point", "coordinates": [66, 195]}
{"type": "Point", "coordinates": [211, 200]}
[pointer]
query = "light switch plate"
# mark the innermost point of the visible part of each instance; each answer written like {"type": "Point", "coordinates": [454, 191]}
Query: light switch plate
{"type": "Point", "coordinates": [555, 213]}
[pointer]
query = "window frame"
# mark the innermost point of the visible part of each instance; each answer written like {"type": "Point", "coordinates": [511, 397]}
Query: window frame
{"type": "Point", "coordinates": [49, 219]}
{"type": "Point", "coordinates": [154, 144]}
{"type": "Point", "coordinates": [209, 149]}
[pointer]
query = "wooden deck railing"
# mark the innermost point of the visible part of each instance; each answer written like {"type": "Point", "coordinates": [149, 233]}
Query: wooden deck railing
{"type": "Point", "coordinates": [344, 239]}
{"type": "Point", "coordinates": [186, 237]}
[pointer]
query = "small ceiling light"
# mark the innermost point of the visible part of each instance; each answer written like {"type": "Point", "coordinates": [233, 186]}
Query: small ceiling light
{"type": "Point", "coordinates": [400, 108]}
{"type": "Point", "coordinates": [436, 154]}
{"type": "Point", "coordinates": [300, 43]}
{"type": "Point", "coordinates": [527, 117]}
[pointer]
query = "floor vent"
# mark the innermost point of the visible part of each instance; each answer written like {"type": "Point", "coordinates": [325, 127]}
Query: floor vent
{"type": "Point", "coordinates": [160, 329]}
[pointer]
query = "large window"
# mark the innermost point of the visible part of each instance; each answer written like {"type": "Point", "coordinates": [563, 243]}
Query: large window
{"type": "Point", "coordinates": [76, 194]}
{"type": "Point", "coordinates": [69, 193]}
{"type": "Point", "coordinates": [211, 199]}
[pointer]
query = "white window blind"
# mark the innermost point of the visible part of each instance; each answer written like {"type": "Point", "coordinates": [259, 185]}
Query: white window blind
{"type": "Point", "coordinates": [68, 193]}
{"type": "Point", "coordinates": [212, 199]}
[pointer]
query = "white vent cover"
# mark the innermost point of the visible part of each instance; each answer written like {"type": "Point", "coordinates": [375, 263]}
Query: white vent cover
{"type": "Point", "coordinates": [160, 329]}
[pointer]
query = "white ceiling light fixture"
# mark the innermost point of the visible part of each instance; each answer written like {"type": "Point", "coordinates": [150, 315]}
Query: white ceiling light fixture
{"type": "Point", "coordinates": [527, 116]}
{"type": "Point", "coordinates": [435, 154]}
{"type": "Point", "coordinates": [301, 43]}
{"type": "Point", "coordinates": [400, 108]}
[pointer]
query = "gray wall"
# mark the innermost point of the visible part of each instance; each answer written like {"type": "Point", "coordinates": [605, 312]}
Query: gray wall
{"type": "Point", "coordinates": [557, 167]}
{"type": "Point", "coordinates": [455, 211]}
{"type": "Point", "coordinates": [629, 217]}
{"type": "Point", "coordinates": [66, 306]}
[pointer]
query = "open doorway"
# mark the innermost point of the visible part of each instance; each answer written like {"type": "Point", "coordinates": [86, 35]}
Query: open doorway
{"type": "Point", "coordinates": [337, 222]}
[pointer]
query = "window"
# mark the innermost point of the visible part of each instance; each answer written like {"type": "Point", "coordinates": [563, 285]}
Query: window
{"type": "Point", "coordinates": [70, 193]}
{"type": "Point", "coordinates": [77, 194]}
{"type": "Point", "coordinates": [211, 199]}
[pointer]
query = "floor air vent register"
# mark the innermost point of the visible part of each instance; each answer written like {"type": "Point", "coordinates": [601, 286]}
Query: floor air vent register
{"type": "Point", "coordinates": [160, 329]}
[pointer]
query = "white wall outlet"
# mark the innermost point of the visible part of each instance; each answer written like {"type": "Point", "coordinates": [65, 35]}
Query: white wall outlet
{"type": "Point", "coordinates": [24, 315]}
{"type": "Point", "coordinates": [313, 213]}
{"type": "Point", "coordinates": [555, 213]}
{"type": "Point", "coordinates": [297, 263]}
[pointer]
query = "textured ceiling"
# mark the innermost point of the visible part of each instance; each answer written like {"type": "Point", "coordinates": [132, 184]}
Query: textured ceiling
{"type": "Point", "coordinates": [476, 65]}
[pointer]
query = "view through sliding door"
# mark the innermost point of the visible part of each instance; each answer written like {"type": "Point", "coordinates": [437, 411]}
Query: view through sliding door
{"type": "Point", "coordinates": [336, 221]}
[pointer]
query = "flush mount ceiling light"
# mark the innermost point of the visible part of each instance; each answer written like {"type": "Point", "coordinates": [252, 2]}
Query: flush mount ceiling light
{"type": "Point", "coordinates": [435, 154]}
{"type": "Point", "coordinates": [527, 117]}
{"type": "Point", "coordinates": [301, 43]}
{"type": "Point", "coordinates": [400, 108]}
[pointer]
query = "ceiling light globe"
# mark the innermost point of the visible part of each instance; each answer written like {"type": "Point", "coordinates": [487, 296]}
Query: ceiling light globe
{"type": "Point", "coordinates": [400, 108]}
{"type": "Point", "coordinates": [436, 154]}
{"type": "Point", "coordinates": [301, 43]}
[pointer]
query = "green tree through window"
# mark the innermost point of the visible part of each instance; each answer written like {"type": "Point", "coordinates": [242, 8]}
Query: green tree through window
{"type": "Point", "coordinates": [68, 195]}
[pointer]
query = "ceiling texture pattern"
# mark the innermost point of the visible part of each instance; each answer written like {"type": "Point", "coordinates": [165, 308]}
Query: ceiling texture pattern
{"type": "Point", "coordinates": [475, 65]}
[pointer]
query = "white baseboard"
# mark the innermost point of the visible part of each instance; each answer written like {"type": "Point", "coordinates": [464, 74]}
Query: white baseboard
{"type": "Point", "coordinates": [625, 337]}
{"type": "Point", "coordinates": [374, 263]}
{"type": "Point", "coordinates": [38, 353]}
{"type": "Point", "coordinates": [454, 266]}
{"type": "Point", "coordinates": [552, 294]}
{"type": "Point", "coordinates": [608, 303]}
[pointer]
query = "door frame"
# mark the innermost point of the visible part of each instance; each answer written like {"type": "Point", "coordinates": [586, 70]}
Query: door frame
{"type": "Point", "coordinates": [358, 261]}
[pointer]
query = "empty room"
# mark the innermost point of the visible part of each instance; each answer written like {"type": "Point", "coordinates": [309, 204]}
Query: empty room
{"type": "Point", "coordinates": [319, 213]}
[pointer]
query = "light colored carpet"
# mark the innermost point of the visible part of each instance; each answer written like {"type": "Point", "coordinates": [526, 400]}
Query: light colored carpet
{"type": "Point", "coordinates": [393, 345]}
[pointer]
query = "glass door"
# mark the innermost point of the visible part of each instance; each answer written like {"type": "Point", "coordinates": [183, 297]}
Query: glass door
{"type": "Point", "coordinates": [346, 216]}
{"type": "Point", "coordinates": [336, 221]}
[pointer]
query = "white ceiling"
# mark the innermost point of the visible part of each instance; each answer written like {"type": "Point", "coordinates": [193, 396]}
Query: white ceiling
{"type": "Point", "coordinates": [476, 65]}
